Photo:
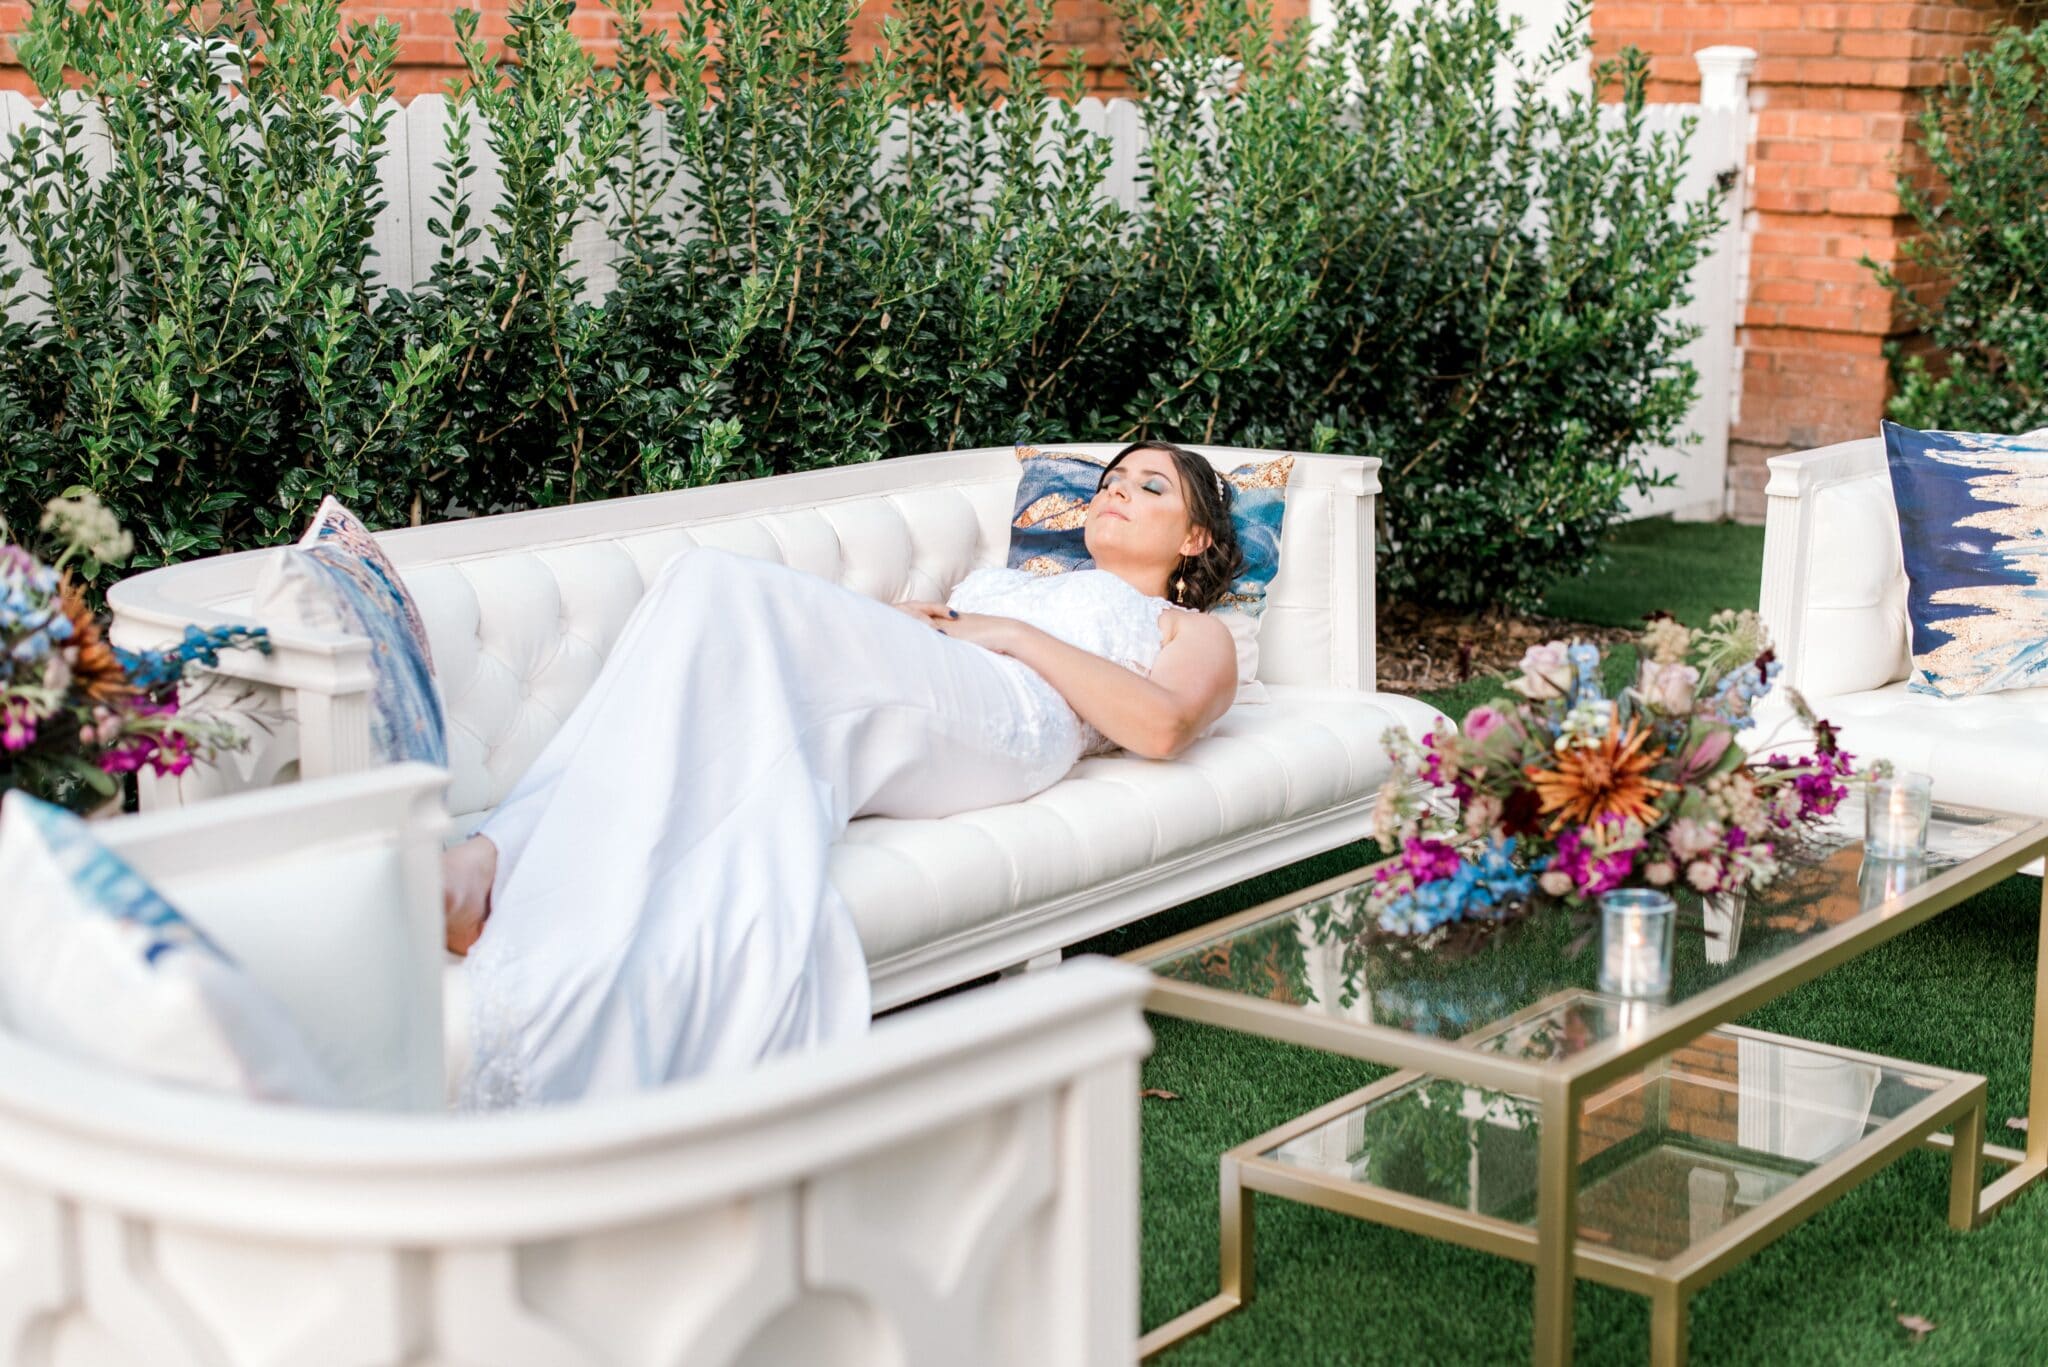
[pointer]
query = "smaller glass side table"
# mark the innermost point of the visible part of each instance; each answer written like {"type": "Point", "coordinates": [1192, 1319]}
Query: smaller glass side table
{"type": "Point", "coordinates": [1685, 1169]}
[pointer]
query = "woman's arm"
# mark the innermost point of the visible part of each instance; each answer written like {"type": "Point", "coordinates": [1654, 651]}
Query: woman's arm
{"type": "Point", "coordinates": [1191, 685]}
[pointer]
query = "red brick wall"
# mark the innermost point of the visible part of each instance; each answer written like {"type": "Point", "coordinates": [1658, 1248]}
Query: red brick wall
{"type": "Point", "coordinates": [427, 48]}
{"type": "Point", "coordinates": [426, 51]}
{"type": "Point", "coordinates": [1835, 88]}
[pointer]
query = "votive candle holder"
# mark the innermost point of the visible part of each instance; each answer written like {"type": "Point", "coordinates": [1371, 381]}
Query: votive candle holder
{"type": "Point", "coordinates": [1636, 933]}
{"type": "Point", "coordinates": [1895, 817]}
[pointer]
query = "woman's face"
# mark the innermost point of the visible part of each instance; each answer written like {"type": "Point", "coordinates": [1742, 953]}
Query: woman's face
{"type": "Point", "coordinates": [1140, 514]}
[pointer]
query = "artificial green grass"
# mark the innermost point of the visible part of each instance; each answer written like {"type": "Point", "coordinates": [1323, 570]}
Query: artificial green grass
{"type": "Point", "coordinates": [1691, 570]}
{"type": "Point", "coordinates": [1957, 991]}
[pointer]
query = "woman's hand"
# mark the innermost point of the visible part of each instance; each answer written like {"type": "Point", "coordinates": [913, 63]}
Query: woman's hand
{"type": "Point", "coordinates": [931, 614]}
{"type": "Point", "coordinates": [999, 634]}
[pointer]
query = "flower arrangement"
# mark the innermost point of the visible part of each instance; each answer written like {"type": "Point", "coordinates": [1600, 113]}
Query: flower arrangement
{"type": "Point", "coordinates": [1564, 791]}
{"type": "Point", "coordinates": [76, 713]}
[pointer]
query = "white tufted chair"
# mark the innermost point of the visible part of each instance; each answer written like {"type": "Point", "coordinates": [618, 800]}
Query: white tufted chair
{"type": "Point", "coordinates": [521, 609]}
{"type": "Point", "coordinates": [1834, 597]}
{"type": "Point", "coordinates": [958, 1186]}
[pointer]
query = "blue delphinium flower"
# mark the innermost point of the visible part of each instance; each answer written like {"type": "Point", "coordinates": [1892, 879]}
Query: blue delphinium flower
{"type": "Point", "coordinates": [1484, 879]}
{"type": "Point", "coordinates": [1734, 700]}
{"type": "Point", "coordinates": [150, 669]}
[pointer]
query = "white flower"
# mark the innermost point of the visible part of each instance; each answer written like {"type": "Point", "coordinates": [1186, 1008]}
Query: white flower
{"type": "Point", "coordinates": [86, 525]}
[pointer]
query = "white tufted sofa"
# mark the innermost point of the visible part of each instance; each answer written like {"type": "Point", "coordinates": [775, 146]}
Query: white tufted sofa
{"type": "Point", "coordinates": [521, 608]}
{"type": "Point", "coordinates": [959, 1186]}
{"type": "Point", "coordinates": [1834, 597]}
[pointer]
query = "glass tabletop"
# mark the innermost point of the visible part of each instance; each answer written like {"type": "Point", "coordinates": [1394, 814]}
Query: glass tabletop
{"type": "Point", "coordinates": [1538, 971]}
{"type": "Point", "coordinates": [1668, 1157]}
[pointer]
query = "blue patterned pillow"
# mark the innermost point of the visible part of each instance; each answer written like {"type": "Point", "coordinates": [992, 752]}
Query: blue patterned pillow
{"type": "Point", "coordinates": [338, 579]}
{"type": "Point", "coordinates": [1973, 521]}
{"type": "Point", "coordinates": [1053, 490]}
{"type": "Point", "coordinates": [96, 964]}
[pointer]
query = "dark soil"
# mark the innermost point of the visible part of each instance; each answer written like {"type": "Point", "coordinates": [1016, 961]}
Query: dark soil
{"type": "Point", "coordinates": [1422, 650]}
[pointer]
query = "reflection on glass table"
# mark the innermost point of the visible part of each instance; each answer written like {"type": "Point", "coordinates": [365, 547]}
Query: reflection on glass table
{"type": "Point", "coordinates": [1668, 1156]}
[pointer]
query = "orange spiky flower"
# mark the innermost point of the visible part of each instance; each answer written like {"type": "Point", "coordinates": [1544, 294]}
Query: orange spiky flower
{"type": "Point", "coordinates": [1610, 777]}
{"type": "Point", "coordinates": [94, 667]}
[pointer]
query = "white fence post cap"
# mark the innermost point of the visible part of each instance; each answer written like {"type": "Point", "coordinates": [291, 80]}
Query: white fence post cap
{"type": "Point", "coordinates": [1724, 76]}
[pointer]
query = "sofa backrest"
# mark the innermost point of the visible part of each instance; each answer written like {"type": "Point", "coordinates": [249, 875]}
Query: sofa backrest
{"type": "Point", "coordinates": [522, 608]}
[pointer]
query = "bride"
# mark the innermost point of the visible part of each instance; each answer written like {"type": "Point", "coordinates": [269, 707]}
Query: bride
{"type": "Point", "coordinates": [651, 900]}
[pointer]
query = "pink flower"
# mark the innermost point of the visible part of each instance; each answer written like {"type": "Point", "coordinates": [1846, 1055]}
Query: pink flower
{"type": "Point", "coordinates": [1707, 753]}
{"type": "Point", "coordinates": [1482, 722]}
{"type": "Point", "coordinates": [1690, 837]}
{"type": "Point", "coordinates": [1669, 687]}
{"type": "Point", "coordinates": [1702, 875]}
{"type": "Point", "coordinates": [1659, 873]}
{"type": "Point", "coordinates": [1555, 882]}
{"type": "Point", "coordinates": [17, 725]}
{"type": "Point", "coordinates": [1546, 672]}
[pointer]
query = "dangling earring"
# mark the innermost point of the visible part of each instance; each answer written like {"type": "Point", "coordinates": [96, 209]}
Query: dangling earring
{"type": "Point", "coordinates": [1180, 585]}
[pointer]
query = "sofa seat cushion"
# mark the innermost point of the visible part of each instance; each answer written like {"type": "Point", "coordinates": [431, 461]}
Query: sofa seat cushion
{"type": "Point", "coordinates": [1115, 817]}
{"type": "Point", "coordinates": [1987, 750]}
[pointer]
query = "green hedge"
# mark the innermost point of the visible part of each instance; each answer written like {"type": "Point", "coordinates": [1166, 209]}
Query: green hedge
{"type": "Point", "coordinates": [1974, 279]}
{"type": "Point", "coordinates": [1361, 249]}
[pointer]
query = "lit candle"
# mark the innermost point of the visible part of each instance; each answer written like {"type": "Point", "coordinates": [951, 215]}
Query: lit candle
{"type": "Point", "coordinates": [1635, 942]}
{"type": "Point", "coordinates": [1895, 817]}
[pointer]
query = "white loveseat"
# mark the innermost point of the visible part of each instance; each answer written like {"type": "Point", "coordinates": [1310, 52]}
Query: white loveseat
{"type": "Point", "coordinates": [521, 608]}
{"type": "Point", "coordinates": [1834, 597]}
{"type": "Point", "coordinates": [958, 1186]}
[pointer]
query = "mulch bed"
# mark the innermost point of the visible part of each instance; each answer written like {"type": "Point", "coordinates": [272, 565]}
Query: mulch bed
{"type": "Point", "coordinates": [1422, 650]}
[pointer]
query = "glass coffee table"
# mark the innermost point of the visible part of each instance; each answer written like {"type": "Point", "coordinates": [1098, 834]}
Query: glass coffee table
{"type": "Point", "coordinates": [1688, 1143]}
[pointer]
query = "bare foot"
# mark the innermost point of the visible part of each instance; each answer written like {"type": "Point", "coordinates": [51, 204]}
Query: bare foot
{"type": "Point", "coordinates": [467, 872]}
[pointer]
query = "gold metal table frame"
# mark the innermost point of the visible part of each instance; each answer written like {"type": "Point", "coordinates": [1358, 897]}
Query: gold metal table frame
{"type": "Point", "coordinates": [1561, 1090]}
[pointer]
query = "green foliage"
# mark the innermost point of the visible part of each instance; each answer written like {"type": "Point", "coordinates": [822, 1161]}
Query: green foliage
{"type": "Point", "coordinates": [1349, 246]}
{"type": "Point", "coordinates": [1975, 276]}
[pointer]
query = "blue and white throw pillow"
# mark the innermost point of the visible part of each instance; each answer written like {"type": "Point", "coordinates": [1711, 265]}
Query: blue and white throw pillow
{"type": "Point", "coordinates": [337, 578]}
{"type": "Point", "coordinates": [1047, 533]}
{"type": "Point", "coordinates": [1973, 521]}
{"type": "Point", "coordinates": [94, 963]}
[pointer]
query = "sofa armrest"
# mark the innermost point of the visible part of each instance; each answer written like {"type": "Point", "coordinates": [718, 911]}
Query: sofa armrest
{"type": "Point", "coordinates": [1354, 605]}
{"type": "Point", "coordinates": [303, 708]}
{"type": "Point", "coordinates": [329, 895]}
{"type": "Point", "coordinates": [966, 1174]}
{"type": "Point", "coordinates": [1791, 532]}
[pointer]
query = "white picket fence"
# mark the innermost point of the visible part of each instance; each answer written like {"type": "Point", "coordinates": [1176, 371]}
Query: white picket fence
{"type": "Point", "coordinates": [416, 139]}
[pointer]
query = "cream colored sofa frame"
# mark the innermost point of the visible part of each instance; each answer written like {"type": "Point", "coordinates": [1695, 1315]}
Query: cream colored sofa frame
{"type": "Point", "coordinates": [1273, 786]}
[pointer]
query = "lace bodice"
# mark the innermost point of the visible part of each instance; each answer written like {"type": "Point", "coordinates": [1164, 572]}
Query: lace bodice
{"type": "Point", "coordinates": [1092, 610]}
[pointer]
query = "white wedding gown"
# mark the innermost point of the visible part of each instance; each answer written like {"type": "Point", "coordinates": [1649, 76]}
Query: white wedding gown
{"type": "Point", "coordinates": [661, 907]}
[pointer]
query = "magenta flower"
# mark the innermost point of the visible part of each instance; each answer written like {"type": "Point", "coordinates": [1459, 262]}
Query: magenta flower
{"type": "Point", "coordinates": [1429, 860]}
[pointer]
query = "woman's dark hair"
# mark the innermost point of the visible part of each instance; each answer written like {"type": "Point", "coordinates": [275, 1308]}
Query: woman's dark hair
{"type": "Point", "coordinates": [1208, 494]}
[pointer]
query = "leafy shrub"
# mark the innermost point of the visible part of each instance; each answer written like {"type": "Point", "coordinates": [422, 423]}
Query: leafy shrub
{"type": "Point", "coordinates": [1353, 245]}
{"type": "Point", "coordinates": [1974, 279]}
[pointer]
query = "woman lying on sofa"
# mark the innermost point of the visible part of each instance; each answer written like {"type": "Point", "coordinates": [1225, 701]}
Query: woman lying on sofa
{"type": "Point", "coordinates": [651, 901]}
